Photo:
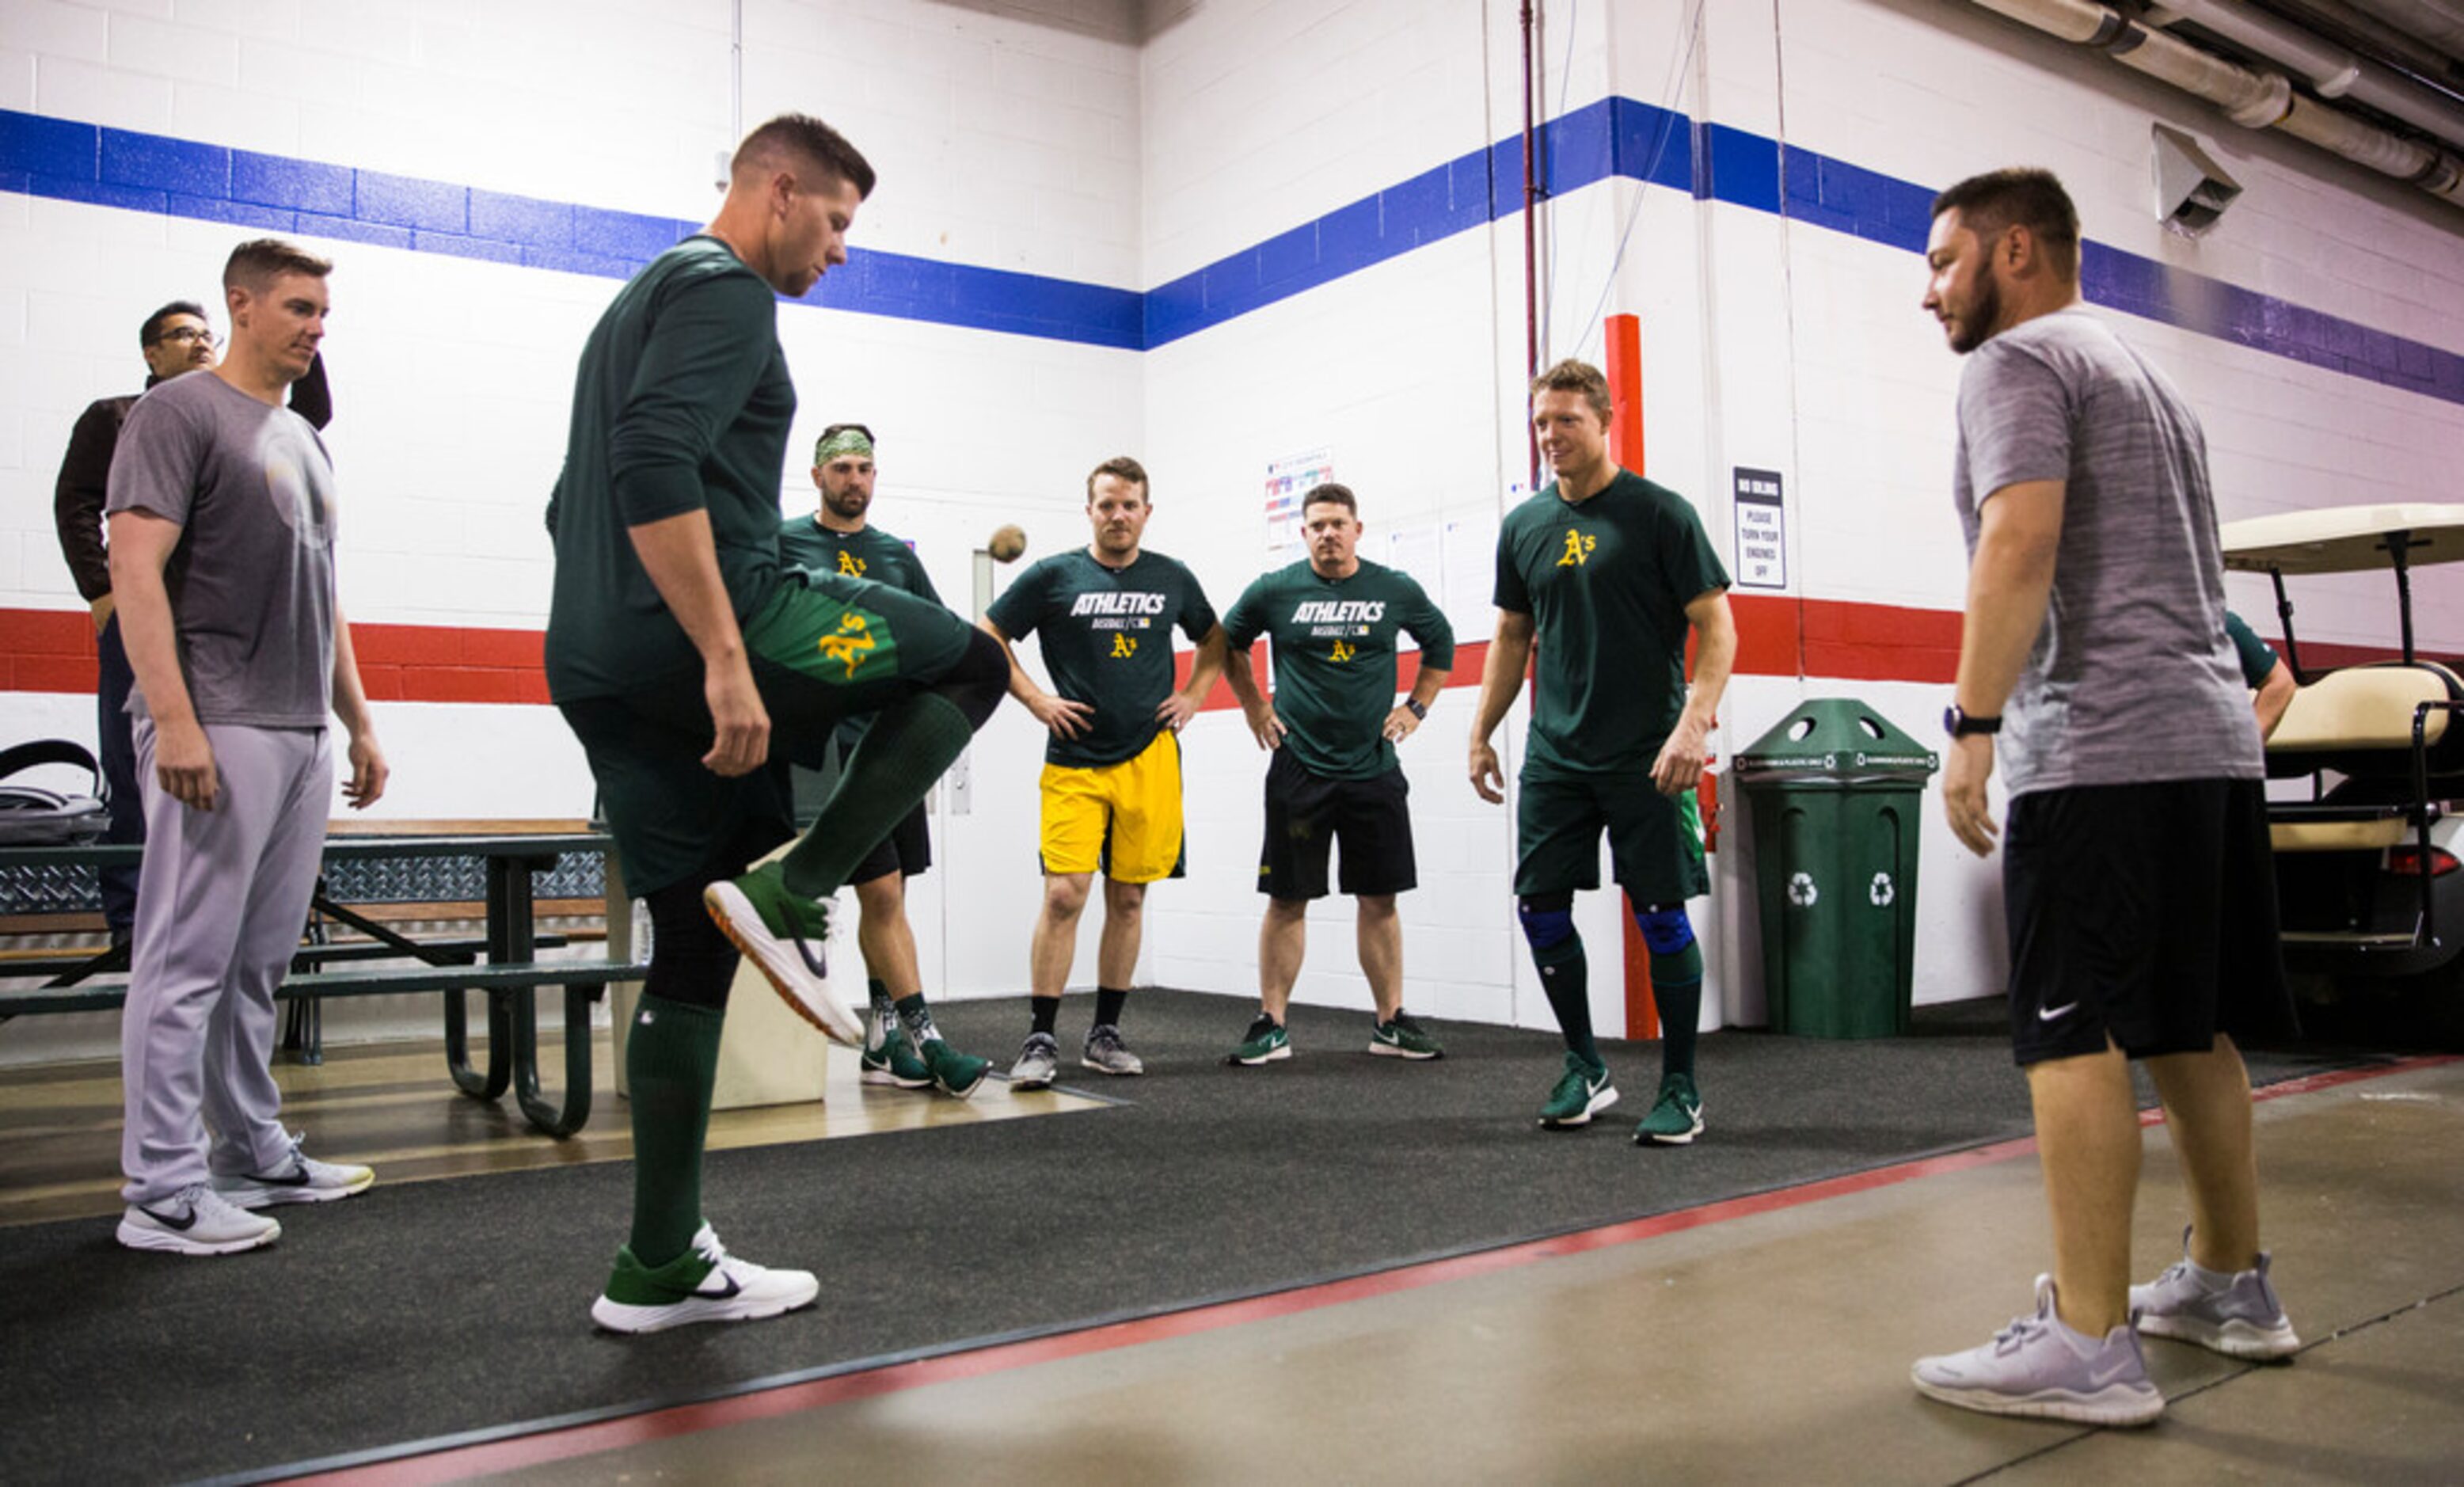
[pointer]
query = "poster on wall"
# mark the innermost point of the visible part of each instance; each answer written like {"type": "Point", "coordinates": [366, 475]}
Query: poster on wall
{"type": "Point", "coordinates": [1287, 482]}
{"type": "Point", "coordinates": [1762, 531]}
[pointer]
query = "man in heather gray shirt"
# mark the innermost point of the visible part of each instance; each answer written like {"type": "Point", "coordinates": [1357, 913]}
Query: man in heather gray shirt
{"type": "Point", "coordinates": [2137, 885]}
{"type": "Point", "coordinates": [221, 505]}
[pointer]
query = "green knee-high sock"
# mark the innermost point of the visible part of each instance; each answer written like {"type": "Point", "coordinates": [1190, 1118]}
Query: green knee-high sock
{"type": "Point", "coordinates": [671, 1063]}
{"type": "Point", "coordinates": [1680, 1009]}
{"type": "Point", "coordinates": [911, 742]}
{"type": "Point", "coordinates": [1676, 987]}
{"type": "Point", "coordinates": [1566, 976]}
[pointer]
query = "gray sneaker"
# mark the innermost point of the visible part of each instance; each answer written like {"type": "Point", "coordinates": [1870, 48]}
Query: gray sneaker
{"type": "Point", "coordinates": [300, 1178]}
{"type": "Point", "coordinates": [1038, 1061]}
{"type": "Point", "coordinates": [2237, 1315]}
{"type": "Point", "coordinates": [195, 1220]}
{"type": "Point", "coordinates": [1106, 1054]}
{"type": "Point", "coordinates": [2037, 1366]}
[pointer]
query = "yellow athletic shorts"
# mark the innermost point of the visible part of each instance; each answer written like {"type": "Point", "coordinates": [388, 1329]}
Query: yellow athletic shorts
{"type": "Point", "coordinates": [1120, 819]}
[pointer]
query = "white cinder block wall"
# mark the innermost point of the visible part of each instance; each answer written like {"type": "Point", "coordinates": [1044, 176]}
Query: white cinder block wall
{"type": "Point", "coordinates": [1131, 147]}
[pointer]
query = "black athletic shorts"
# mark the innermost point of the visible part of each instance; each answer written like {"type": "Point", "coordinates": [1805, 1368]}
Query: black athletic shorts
{"type": "Point", "coordinates": [1307, 812]}
{"type": "Point", "coordinates": [2144, 914]}
{"type": "Point", "coordinates": [907, 851]}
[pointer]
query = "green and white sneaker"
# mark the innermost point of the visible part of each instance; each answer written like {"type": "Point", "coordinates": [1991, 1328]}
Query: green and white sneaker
{"type": "Point", "coordinates": [1582, 1092]}
{"type": "Point", "coordinates": [705, 1283]}
{"type": "Point", "coordinates": [1403, 1038]}
{"type": "Point", "coordinates": [1676, 1117]}
{"type": "Point", "coordinates": [953, 1073]}
{"type": "Point", "coordinates": [787, 935]}
{"type": "Point", "coordinates": [1265, 1042]}
{"type": "Point", "coordinates": [888, 1058]}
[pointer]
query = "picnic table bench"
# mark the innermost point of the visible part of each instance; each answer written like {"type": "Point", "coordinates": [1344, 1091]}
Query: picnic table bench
{"type": "Point", "coordinates": [510, 976]}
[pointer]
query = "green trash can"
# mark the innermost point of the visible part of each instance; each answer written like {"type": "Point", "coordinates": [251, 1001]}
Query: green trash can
{"type": "Point", "coordinates": [1837, 794]}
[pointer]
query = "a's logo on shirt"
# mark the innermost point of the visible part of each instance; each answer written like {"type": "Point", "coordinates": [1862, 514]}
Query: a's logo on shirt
{"type": "Point", "coordinates": [849, 564]}
{"type": "Point", "coordinates": [1342, 652]}
{"type": "Point", "coordinates": [851, 645]}
{"type": "Point", "coordinates": [1578, 549]}
{"type": "Point", "coordinates": [1124, 647]}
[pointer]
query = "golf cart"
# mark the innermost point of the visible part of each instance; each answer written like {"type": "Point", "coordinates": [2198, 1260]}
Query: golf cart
{"type": "Point", "coordinates": [2368, 886]}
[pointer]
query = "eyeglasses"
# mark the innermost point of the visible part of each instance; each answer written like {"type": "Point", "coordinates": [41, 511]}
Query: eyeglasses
{"type": "Point", "coordinates": [188, 335]}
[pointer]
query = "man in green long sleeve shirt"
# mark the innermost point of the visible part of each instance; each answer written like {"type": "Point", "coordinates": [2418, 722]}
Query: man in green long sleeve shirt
{"type": "Point", "coordinates": [687, 660]}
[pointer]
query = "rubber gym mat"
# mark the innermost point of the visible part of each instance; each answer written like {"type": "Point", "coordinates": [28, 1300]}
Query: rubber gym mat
{"type": "Point", "coordinates": [430, 1310]}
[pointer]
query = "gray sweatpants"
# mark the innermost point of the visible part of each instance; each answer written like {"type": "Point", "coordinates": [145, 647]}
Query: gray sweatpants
{"type": "Point", "coordinates": [221, 900]}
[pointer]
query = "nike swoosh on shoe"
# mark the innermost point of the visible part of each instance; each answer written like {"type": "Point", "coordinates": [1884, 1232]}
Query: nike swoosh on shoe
{"type": "Point", "coordinates": [180, 1225]}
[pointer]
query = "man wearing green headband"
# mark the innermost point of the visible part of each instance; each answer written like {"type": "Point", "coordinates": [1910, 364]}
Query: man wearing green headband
{"type": "Point", "coordinates": [902, 1047]}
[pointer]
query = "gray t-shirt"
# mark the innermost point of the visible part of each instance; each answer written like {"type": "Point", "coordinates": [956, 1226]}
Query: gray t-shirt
{"type": "Point", "coordinates": [252, 581]}
{"type": "Point", "coordinates": [2132, 678]}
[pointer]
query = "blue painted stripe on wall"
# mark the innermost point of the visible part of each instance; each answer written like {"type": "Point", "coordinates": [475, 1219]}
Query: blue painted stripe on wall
{"type": "Point", "coordinates": [161, 175]}
{"type": "Point", "coordinates": [1615, 137]}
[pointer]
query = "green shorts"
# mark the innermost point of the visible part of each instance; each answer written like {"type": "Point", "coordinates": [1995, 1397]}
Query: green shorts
{"type": "Point", "coordinates": [1654, 840]}
{"type": "Point", "coordinates": [824, 648]}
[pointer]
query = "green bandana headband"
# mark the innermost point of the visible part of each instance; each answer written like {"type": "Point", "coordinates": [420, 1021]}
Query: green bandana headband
{"type": "Point", "coordinates": [847, 441]}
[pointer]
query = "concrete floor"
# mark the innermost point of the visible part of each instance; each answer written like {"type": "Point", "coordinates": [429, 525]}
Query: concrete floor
{"type": "Point", "coordinates": [1764, 1342]}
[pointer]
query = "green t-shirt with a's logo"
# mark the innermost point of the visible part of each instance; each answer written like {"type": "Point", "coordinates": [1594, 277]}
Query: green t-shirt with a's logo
{"type": "Point", "coordinates": [1607, 580]}
{"type": "Point", "coordinates": [804, 542]}
{"type": "Point", "coordinates": [1335, 648]}
{"type": "Point", "coordinates": [1107, 639]}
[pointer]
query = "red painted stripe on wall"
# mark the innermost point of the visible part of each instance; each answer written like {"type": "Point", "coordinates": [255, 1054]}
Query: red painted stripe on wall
{"type": "Point", "coordinates": [52, 650]}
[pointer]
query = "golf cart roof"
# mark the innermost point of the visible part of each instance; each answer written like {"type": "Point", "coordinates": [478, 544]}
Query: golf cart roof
{"type": "Point", "coordinates": [2344, 538]}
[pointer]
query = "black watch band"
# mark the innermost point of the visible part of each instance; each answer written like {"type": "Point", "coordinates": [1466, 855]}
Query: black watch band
{"type": "Point", "coordinates": [1959, 724]}
{"type": "Point", "coordinates": [1420, 708]}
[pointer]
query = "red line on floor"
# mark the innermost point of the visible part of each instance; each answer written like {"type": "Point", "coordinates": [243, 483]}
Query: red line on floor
{"type": "Point", "coordinates": [567, 1443]}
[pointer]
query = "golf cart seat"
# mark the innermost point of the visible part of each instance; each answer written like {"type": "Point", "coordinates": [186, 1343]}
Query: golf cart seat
{"type": "Point", "coordinates": [2359, 723]}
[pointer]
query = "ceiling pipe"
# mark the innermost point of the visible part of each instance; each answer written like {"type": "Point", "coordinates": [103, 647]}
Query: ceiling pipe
{"type": "Point", "coordinates": [2252, 98]}
{"type": "Point", "coordinates": [2438, 22]}
{"type": "Point", "coordinates": [2336, 72]}
{"type": "Point", "coordinates": [2347, 25]}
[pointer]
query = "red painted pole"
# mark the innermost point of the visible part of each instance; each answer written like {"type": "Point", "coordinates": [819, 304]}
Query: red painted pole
{"type": "Point", "coordinates": [1624, 369]}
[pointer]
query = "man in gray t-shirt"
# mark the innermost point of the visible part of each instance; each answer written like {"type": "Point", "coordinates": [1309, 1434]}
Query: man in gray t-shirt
{"type": "Point", "coordinates": [2137, 881]}
{"type": "Point", "coordinates": [221, 504]}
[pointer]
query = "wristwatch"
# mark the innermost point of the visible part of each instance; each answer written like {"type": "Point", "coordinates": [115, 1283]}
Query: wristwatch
{"type": "Point", "coordinates": [1959, 724]}
{"type": "Point", "coordinates": [1420, 709]}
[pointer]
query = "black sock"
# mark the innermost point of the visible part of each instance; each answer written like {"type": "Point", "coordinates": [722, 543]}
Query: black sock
{"type": "Point", "coordinates": [877, 992]}
{"type": "Point", "coordinates": [1109, 1002]}
{"type": "Point", "coordinates": [1565, 974]}
{"type": "Point", "coordinates": [1044, 1011]}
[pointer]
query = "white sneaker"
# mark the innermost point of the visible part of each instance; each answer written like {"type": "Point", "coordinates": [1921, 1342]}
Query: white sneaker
{"type": "Point", "coordinates": [2039, 1366]}
{"type": "Point", "coordinates": [2237, 1315]}
{"type": "Point", "coordinates": [705, 1283]}
{"type": "Point", "coordinates": [302, 1179]}
{"type": "Point", "coordinates": [786, 936]}
{"type": "Point", "coordinates": [195, 1220]}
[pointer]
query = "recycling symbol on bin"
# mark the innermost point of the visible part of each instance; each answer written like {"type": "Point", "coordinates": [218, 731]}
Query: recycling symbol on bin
{"type": "Point", "coordinates": [1882, 892]}
{"type": "Point", "coordinates": [1801, 890]}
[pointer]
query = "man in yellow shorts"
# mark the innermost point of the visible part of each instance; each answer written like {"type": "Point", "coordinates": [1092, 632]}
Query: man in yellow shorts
{"type": "Point", "coordinates": [1112, 771]}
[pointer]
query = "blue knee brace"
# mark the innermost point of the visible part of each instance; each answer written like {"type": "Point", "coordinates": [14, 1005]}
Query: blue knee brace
{"type": "Point", "coordinates": [1675, 960]}
{"type": "Point", "coordinates": [1548, 919]}
{"type": "Point", "coordinates": [1667, 931]}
